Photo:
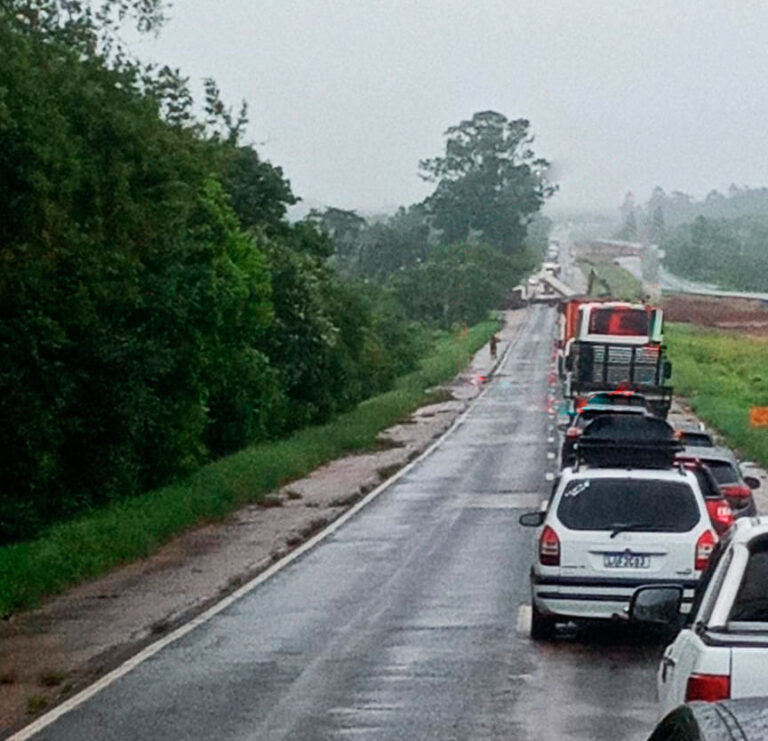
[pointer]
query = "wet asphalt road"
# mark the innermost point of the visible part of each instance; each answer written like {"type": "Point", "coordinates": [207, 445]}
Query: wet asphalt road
{"type": "Point", "coordinates": [406, 623]}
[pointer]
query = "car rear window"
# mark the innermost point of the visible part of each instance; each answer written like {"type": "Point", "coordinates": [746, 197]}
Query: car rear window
{"type": "Point", "coordinates": [697, 440]}
{"type": "Point", "coordinates": [724, 472]}
{"type": "Point", "coordinates": [707, 484]}
{"type": "Point", "coordinates": [585, 418]}
{"type": "Point", "coordinates": [615, 321]}
{"type": "Point", "coordinates": [610, 503]}
{"type": "Point", "coordinates": [587, 415]}
{"type": "Point", "coordinates": [751, 604]}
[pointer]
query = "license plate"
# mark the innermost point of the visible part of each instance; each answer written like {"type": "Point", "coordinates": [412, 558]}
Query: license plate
{"type": "Point", "coordinates": [626, 560]}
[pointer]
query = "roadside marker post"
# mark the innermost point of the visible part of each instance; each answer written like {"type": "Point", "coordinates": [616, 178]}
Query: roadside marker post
{"type": "Point", "coordinates": [758, 416]}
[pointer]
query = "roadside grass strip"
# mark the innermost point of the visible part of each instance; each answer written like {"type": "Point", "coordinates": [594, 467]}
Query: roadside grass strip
{"type": "Point", "coordinates": [623, 285]}
{"type": "Point", "coordinates": [722, 374]}
{"type": "Point", "coordinates": [86, 547]}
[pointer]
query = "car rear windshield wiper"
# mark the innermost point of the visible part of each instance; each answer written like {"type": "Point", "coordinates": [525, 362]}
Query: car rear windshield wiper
{"type": "Point", "coordinates": [624, 527]}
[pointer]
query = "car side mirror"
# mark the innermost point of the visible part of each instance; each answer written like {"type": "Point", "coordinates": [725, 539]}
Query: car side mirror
{"type": "Point", "coordinates": [656, 605]}
{"type": "Point", "coordinates": [752, 482]}
{"type": "Point", "coordinates": [532, 519]}
{"type": "Point", "coordinates": [563, 426]}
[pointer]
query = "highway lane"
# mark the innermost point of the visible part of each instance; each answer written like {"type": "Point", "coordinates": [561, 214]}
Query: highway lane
{"type": "Point", "coordinates": [408, 622]}
{"type": "Point", "coordinates": [671, 283]}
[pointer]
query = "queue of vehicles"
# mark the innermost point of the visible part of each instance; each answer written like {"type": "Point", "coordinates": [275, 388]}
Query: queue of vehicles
{"type": "Point", "coordinates": [650, 524]}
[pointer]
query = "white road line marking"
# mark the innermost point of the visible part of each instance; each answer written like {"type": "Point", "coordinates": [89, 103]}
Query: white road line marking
{"type": "Point", "coordinates": [550, 456]}
{"type": "Point", "coordinates": [524, 619]}
{"type": "Point", "coordinates": [549, 476]}
{"type": "Point", "coordinates": [551, 439]}
{"type": "Point", "coordinates": [73, 702]}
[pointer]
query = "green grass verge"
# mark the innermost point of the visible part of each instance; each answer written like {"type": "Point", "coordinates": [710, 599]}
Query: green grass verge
{"type": "Point", "coordinates": [622, 284]}
{"type": "Point", "coordinates": [722, 374]}
{"type": "Point", "coordinates": [71, 552]}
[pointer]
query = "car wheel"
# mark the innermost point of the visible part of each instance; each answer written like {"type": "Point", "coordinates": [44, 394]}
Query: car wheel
{"type": "Point", "coordinates": [542, 626]}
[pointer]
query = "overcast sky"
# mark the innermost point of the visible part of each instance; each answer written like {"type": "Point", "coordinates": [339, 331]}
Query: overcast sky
{"type": "Point", "coordinates": [348, 95]}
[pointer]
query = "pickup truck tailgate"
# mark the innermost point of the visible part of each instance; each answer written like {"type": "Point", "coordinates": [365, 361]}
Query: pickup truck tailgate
{"type": "Point", "coordinates": [749, 669]}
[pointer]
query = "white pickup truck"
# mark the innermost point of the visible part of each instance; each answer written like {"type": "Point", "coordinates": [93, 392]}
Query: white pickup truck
{"type": "Point", "coordinates": [723, 654]}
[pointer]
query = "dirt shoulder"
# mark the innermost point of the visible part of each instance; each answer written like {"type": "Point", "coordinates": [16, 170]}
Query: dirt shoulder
{"type": "Point", "coordinates": [49, 653]}
{"type": "Point", "coordinates": [747, 316]}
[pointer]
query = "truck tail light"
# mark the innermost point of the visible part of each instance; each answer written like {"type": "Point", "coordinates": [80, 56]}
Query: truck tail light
{"type": "Point", "coordinates": [708, 687]}
{"type": "Point", "coordinates": [704, 546]}
{"type": "Point", "coordinates": [549, 547]}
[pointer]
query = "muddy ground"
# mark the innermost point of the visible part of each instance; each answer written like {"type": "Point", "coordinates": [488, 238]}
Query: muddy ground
{"type": "Point", "coordinates": [750, 317]}
{"type": "Point", "coordinates": [49, 653]}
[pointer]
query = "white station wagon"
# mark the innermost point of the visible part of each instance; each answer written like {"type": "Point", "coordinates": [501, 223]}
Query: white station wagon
{"type": "Point", "coordinates": [611, 528]}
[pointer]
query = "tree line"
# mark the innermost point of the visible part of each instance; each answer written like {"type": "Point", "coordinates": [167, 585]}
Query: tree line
{"type": "Point", "coordinates": [662, 210]}
{"type": "Point", "coordinates": [157, 308]}
{"type": "Point", "coordinates": [720, 239]}
{"type": "Point", "coordinates": [730, 253]}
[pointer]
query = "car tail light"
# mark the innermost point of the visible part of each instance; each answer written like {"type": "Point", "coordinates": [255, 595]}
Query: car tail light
{"type": "Point", "coordinates": [720, 513]}
{"type": "Point", "coordinates": [704, 546]}
{"type": "Point", "coordinates": [737, 491]}
{"type": "Point", "coordinates": [549, 547]}
{"type": "Point", "coordinates": [708, 687]}
{"type": "Point", "coordinates": [573, 432]}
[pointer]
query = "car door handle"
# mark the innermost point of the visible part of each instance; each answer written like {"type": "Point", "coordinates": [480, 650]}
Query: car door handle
{"type": "Point", "coordinates": [666, 663]}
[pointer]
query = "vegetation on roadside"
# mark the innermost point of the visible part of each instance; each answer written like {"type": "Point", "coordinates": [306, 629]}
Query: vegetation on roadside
{"type": "Point", "coordinates": [157, 309]}
{"type": "Point", "coordinates": [722, 374]}
{"type": "Point", "coordinates": [729, 253]}
{"type": "Point", "coordinates": [721, 239]}
{"type": "Point", "coordinates": [85, 547]}
{"type": "Point", "coordinates": [611, 280]}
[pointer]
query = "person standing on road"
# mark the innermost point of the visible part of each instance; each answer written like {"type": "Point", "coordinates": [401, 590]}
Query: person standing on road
{"type": "Point", "coordinates": [494, 345]}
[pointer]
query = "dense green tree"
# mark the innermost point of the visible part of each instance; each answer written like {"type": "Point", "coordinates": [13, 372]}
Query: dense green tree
{"type": "Point", "coordinates": [156, 308]}
{"type": "Point", "coordinates": [391, 246]}
{"type": "Point", "coordinates": [344, 228]}
{"type": "Point", "coordinates": [489, 182]}
{"type": "Point", "coordinates": [731, 253]}
{"type": "Point", "coordinates": [657, 224]}
{"type": "Point", "coordinates": [88, 27]}
{"type": "Point", "coordinates": [130, 301]}
{"type": "Point", "coordinates": [629, 225]}
{"type": "Point", "coordinates": [457, 284]}
{"type": "Point", "coordinates": [258, 191]}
